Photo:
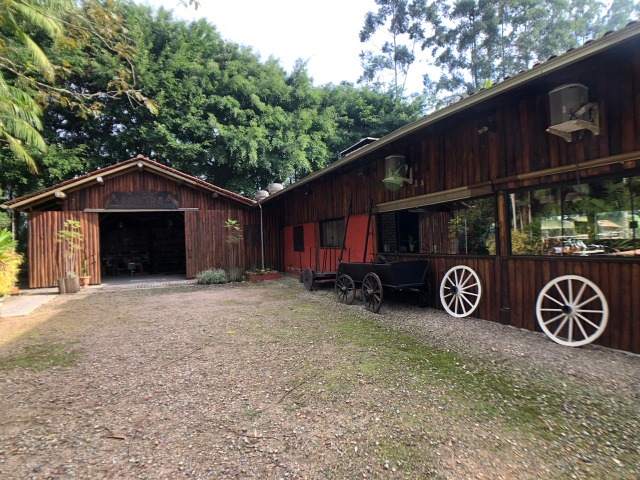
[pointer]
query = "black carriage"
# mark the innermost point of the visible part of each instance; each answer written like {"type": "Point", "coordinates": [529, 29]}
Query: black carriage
{"type": "Point", "coordinates": [372, 278]}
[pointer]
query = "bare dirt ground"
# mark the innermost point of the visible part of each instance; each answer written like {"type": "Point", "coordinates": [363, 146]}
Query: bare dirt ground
{"type": "Point", "coordinates": [272, 381]}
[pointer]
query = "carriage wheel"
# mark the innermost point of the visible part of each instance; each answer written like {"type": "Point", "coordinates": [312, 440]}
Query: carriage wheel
{"type": "Point", "coordinates": [572, 310]}
{"type": "Point", "coordinates": [460, 291]}
{"type": "Point", "coordinates": [372, 292]}
{"type": "Point", "coordinates": [345, 289]}
{"type": "Point", "coordinates": [307, 279]}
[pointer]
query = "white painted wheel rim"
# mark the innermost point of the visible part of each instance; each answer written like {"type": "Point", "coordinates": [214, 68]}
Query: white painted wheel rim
{"type": "Point", "coordinates": [572, 310]}
{"type": "Point", "coordinates": [460, 291]}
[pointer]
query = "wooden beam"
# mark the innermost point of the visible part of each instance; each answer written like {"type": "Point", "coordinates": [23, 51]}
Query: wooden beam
{"type": "Point", "coordinates": [435, 198]}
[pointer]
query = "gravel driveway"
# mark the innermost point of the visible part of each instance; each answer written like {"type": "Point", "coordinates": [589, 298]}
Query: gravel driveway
{"type": "Point", "coordinates": [272, 381]}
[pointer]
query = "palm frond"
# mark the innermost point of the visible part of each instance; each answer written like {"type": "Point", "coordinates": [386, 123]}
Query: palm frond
{"type": "Point", "coordinates": [42, 15]}
{"type": "Point", "coordinates": [37, 55]}
{"type": "Point", "coordinates": [20, 152]}
{"type": "Point", "coordinates": [24, 132]}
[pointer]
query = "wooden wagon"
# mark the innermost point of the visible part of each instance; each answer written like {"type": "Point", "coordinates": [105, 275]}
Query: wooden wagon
{"type": "Point", "coordinates": [372, 278]}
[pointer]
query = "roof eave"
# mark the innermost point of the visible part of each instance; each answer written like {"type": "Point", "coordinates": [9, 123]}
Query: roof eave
{"type": "Point", "coordinates": [573, 56]}
{"type": "Point", "coordinates": [129, 164]}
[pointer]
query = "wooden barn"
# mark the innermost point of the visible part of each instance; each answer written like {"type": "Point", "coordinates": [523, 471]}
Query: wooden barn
{"type": "Point", "coordinates": [137, 216]}
{"type": "Point", "coordinates": [524, 198]}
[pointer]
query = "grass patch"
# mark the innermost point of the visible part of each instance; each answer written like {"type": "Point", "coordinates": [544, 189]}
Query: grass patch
{"type": "Point", "coordinates": [517, 401]}
{"type": "Point", "coordinates": [43, 356]}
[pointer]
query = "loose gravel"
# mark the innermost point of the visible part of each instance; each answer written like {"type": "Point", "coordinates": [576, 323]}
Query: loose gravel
{"type": "Point", "coordinates": [272, 381]}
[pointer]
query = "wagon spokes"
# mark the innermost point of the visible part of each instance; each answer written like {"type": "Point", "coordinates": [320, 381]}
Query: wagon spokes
{"type": "Point", "coordinates": [460, 291]}
{"type": "Point", "coordinates": [345, 289]}
{"type": "Point", "coordinates": [561, 314]}
{"type": "Point", "coordinates": [372, 292]}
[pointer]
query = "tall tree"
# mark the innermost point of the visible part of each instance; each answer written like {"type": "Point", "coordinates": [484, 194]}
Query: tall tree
{"type": "Point", "coordinates": [474, 43]}
{"type": "Point", "coordinates": [20, 58]}
{"type": "Point", "coordinates": [399, 23]}
{"type": "Point", "coordinates": [27, 75]}
{"type": "Point", "coordinates": [480, 41]}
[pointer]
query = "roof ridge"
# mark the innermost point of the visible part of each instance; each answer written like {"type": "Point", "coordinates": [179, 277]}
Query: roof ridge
{"type": "Point", "coordinates": [119, 166]}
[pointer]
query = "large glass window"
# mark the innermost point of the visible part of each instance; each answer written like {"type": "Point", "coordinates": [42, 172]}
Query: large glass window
{"type": "Point", "coordinates": [586, 219]}
{"type": "Point", "coordinates": [399, 231]}
{"type": "Point", "coordinates": [464, 227]}
{"type": "Point", "coordinates": [471, 226]}
{"type": "Point", "coordinates": [331, 233]}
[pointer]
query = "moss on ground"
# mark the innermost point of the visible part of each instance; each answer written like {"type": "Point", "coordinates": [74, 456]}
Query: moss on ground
{"type": "Point", "coordinates": [547, 408]}
{"type": "Point", "coordinates": [43, 356]}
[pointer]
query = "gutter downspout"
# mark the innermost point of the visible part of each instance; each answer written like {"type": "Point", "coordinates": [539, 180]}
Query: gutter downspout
{"type": "Point", "coordinates": [261, 237]}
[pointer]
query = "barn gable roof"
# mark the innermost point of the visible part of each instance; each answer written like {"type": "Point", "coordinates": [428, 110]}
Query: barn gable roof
{"type": "Point", "coordinates": [35, 198]}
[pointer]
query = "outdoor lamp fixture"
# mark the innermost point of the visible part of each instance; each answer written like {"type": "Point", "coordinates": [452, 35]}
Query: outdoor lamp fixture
{"type": "Point", "coordinates": [396, 171]}
{"type": "Point", "coordinates": [100, 180]}
{"type": "Point", "coordinates": [60, 194]}
{"type": "Point", "coordinates": [140, 165]}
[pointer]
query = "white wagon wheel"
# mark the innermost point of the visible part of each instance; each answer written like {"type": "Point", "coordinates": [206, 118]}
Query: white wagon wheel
{"type": "Point", "coordinates": [460, 291]}
{"type": "Point", "coordinates": [572, 310]}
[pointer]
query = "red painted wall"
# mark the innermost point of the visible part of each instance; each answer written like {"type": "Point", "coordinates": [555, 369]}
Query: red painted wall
{"type": "Point", "coordinates": [295, 262]}
{"type": "Point", "coordinates": [326, 259]}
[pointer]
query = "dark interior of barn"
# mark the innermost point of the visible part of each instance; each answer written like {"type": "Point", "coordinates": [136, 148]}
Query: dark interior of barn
{"type": "Point", "coordinates": [142, 243]}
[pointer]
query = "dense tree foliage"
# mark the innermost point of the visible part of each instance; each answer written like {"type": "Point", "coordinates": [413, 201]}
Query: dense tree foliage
{"type": "Point", "coordinates": [28, 74]}
{"type": "Point", "coordinates": [473, 43]}
{"type": "Point", "coordinates": [223, 114]}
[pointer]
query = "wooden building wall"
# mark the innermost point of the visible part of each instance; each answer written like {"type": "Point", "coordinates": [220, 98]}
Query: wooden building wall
{"type": "Point", "coordinates": [205, 235]}
{"type": "Point", "coordinates": [206, 245]}
{"type": "Point", "coordinates": [514, 152]}
{"type": "Point", "coordinates": [46, 261]}
{"type": "Point", "coordinates": [147, 181]}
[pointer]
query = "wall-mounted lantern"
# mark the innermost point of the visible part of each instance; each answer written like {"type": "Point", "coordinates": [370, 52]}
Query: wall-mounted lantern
{"type": "Point", "coordinates": [396, 172]}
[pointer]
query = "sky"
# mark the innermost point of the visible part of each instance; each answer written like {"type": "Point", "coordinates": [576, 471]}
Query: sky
{"type": "Point", "coordinates": [324, 33]}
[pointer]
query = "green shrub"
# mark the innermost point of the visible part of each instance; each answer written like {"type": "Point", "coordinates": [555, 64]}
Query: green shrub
{"type": "Point", "coordinates": [10, 262]}
{"type": "Point", "coordinates": [213, 275]}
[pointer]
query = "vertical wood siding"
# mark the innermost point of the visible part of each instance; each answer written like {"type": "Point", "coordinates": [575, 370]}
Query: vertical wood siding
{"type": "Point", "coordinates": [518, 290]}
{"type": "Point", "coordinates": [206, 245]}
{"type": "Point", "coordinates": [618, 281]}
{"type": "Point", "coordinates": [205, 234]}
{"type": "Point", "coordinates": [46, 262]}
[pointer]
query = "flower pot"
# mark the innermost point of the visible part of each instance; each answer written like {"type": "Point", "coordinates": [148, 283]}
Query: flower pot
{"type": "Point", "coordinates": [68, 285]}
{"type": "Point", "coordinates": [257, 277]}
{"type": "Point", "coordinates": [84, 281]}
{"type": "Point", "coordinates": [235, 274]}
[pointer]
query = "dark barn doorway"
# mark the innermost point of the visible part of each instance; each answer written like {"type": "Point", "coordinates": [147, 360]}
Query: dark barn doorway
{"type": "Point", "coordinates": [142, 243]}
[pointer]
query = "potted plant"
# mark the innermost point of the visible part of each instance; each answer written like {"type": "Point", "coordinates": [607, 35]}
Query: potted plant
{"type": "Point", "coordinates": [85, 278]}
{"type": "Point", "coordinates": [257, 275]}
{"type": "Point", "coordinates": [412, 243]}
{"type": "Point", "coordinates": [234, 237]}
{"type": "Point", "coordinates": [72, 240]}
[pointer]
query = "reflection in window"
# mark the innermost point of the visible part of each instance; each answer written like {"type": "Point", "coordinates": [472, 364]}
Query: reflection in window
{"type": "Point", "coordinates": [472, 226]}
{"type": "Point", "coordinates": [458, 228]}
{"type": "Point", "coordinates": [597, 218]}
